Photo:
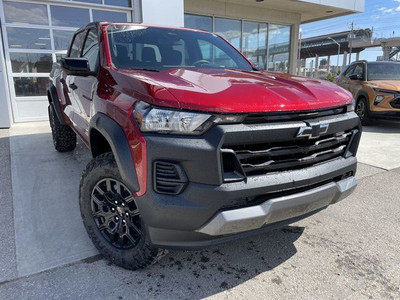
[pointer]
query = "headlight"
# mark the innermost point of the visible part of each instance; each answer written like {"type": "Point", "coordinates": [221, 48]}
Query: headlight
{"type": "Point", "coordinates": [351, 107]}
{"type": "Point", "coordinates": [164, 120]}
{"type": "Point", "coordinates": [379, 98]}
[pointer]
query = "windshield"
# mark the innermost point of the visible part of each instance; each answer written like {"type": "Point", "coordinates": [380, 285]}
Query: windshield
{"type": "Point", "coordinates": [156, 49]}
{"type": "Point", "coordinates": [384, 71]}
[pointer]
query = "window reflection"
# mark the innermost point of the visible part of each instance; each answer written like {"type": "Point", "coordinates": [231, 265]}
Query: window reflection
{"type": "Point", "coordinates": [254, 42]}
{"type": "Point", "coordinates": [89, 1]}
{"type": "Point", "coordinates": [16, 12]}
{"type": "Point", "coordinates": [30, 86]}
{"type": "Point", "coordinates": [230, 30]}
{"type": "Point", "coordinates": [31, 63]}
{"type": "Point", "coordinates": [279, 48]}
{"type": "Point", "coordinates": [62, 39]}
{"type": "Point", "coordinates": [198, 22]}
{"type": "Point", "coordinates": [28, 38]}
{"type": "Point", "coordinates": [108, 16]}
{"type": "Point", "coordinates": [123, 3]}
{"type": "Point", "coordinates": [69, 16]}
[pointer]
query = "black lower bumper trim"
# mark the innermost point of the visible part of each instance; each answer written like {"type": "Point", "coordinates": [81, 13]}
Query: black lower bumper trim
{"type": "Point", "coordinates": [184, 240]}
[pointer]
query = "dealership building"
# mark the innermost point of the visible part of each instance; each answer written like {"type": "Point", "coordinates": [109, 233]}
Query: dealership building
{"type": "Point", "coordinates": [34, 34]}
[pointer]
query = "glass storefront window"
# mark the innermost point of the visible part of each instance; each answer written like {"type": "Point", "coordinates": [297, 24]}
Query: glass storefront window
{"type": "Point", "coordinates": [122, 3]}
{"type": "Point", "coordinates": [254, 42]}
{"type": "Point", "coordinates": [69, 16]}
{"type": "Point", "coordinates": [28, 38]}
{"type": "Point", "coordinates": [59, 56]}
{"type": "Point", "coordinates": [230, 29]}
{"type": "Point", "coordinates": [16, 12]}
{"type": "Point", "coordinates": [30, 86]}
{"type": "Point", "coordinates": [89, 1]}
{"type": "Point", "coordinates": [108, 16]}
{"type": "Point", "coordinates": [198, 22]}
{"type": "Point", "coordinates": [31, 62]}
{"type": "Point", "coordinates": [279, 48]}
{"type": "Point", "coordinates": [62, 39]}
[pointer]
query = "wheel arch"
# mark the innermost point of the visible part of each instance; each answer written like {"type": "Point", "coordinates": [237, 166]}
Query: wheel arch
{"type": "Point", "coordinates": [107, 135]}
{"type": "Point", "coordinates": [363, 94]}
{"type": "Point", "coordinates": [54, 101]}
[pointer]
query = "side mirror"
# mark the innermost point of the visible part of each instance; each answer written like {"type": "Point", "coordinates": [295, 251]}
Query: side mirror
{"type": "Point", "coordinates": [76, 66]}
{"type": "Point", "coordinates": [355, 77]}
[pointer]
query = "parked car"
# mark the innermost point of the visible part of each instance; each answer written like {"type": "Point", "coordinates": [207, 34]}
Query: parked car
{"type": "Point", "coordinates": [376, 88]}
{"type": "Point", "coordinates": [192, 145]}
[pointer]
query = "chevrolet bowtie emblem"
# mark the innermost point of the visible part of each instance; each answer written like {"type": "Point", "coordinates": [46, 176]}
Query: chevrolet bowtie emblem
{"type": "Point", "coordinates": [312, 132]}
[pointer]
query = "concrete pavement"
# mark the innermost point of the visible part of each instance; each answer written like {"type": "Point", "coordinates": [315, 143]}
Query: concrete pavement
{"type": "Point", "coordinates": [347, 251]}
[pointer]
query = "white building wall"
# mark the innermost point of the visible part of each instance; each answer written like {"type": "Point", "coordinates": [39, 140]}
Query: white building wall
{"type": "Point", "coordinates": [4, 103]}
{"type": "Point", "coordinates": [162, 12]}
{"type": "Point", "coordinates": [352, 5]}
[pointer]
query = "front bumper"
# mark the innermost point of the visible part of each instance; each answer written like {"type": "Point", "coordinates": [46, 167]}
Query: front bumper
{"type": "Point", "coordinates": [211, 210]}
{"type": "Point", "coordinates": [278, 209]}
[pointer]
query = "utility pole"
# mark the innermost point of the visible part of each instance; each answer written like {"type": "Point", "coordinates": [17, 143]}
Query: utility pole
{"type": "Point", "coordinates": [351, 40]}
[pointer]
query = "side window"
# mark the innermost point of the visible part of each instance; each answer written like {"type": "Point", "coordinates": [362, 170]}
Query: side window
{"type": "Point", "coordinates": [359, 71]}
{"type": "Point", "coordinates": [76, 47]}
{"type": "Point", "coordinates": [349, 71]}
{"type": "Point", "coordinates": [91, 49]}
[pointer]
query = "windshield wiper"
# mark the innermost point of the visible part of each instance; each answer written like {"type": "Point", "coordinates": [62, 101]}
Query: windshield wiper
{"type": "Point", "coordinates": [146, 69]}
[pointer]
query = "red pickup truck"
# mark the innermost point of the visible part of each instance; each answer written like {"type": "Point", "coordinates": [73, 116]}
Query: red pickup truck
{"type": "Point", "coordinates": [193, 145]}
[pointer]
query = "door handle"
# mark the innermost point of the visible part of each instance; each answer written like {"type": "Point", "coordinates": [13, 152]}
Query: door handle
{"type": "Point", "coordinates": [73, 86]}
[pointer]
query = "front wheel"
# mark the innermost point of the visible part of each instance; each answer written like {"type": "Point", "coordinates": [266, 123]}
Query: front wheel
{"type": "Point", "coordinates": [363, 112]}
{"type": "Point", "coordinates": [112, 218]}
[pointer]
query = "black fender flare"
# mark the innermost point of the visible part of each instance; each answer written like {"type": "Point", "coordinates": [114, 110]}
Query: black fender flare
{"type": "Point", "coordinates": [118, 142]}
{"type": "Point", "coordinates": [53, 100]}
{"type": "Point", "coordinates": [365, 95]}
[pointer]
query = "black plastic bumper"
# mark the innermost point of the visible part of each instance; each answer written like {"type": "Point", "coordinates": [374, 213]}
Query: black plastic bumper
{"type": "Point", "coordinates": [176, 220]}
{"type": "Point", "coordinates": [391, 115]}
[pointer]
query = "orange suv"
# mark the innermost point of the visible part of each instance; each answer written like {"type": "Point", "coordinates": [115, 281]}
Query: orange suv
{"type": "Point", "coordinates": [375, 87]}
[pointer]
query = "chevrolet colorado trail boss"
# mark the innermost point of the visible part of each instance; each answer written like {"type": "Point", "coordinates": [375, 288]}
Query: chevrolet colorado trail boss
{"type": "Point", "coordinates": [193, 145]}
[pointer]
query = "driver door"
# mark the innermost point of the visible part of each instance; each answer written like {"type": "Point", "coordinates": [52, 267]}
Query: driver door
{"type": "Point", "coordinates": [82, 88]}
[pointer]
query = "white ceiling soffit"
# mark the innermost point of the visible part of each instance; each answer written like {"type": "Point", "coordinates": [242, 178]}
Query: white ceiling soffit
{"type": "Point", "coordinates": [310, 10]}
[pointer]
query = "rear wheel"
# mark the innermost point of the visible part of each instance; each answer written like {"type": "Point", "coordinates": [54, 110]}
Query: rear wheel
{"type": "Point", "coordinates": [112, 218]}
{"type": "Point", "coordinates": [64, 138]}
{"type": "Point", "coordinates": [363, 112]}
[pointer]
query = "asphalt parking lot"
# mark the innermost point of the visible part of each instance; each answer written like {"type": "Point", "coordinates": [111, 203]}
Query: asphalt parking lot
{"type": "Point", "coordinates": [348, 251]}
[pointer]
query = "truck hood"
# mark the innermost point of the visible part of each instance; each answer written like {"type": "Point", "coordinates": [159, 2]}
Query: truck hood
{"type": "Point", "coordinates": [223, 90]}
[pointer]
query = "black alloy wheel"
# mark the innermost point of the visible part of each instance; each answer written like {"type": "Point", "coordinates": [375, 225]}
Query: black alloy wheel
{"type": "Point", "coordinates": [116, 214]}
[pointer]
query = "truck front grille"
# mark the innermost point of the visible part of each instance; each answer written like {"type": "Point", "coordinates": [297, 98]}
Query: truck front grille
{"type": "Point", "coordinates": [261, 158]}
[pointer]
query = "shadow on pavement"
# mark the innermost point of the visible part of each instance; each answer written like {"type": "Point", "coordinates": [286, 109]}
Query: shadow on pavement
{"type": "Point", "coordinates": [200, 274]}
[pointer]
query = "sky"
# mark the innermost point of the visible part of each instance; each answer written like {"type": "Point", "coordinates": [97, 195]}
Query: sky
{"type": "Point", "coordinates": [383, 16]}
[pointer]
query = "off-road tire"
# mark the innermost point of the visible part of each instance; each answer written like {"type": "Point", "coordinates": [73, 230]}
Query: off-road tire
{"type": "Point", "coordinates": [138, 257]}
{"type": "Point", "coordinates": [64, 138]}
{"type": "Point", "coordinates": [362, 111]}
